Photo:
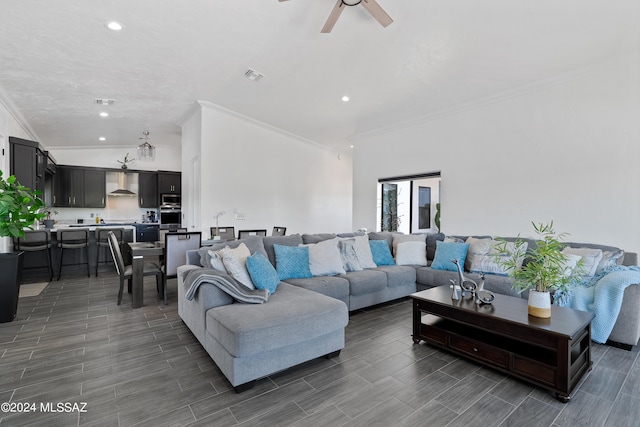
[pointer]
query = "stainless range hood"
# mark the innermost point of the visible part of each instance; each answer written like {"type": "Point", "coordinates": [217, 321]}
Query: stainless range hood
{"type": "Point", "coordinates": [122, 186]}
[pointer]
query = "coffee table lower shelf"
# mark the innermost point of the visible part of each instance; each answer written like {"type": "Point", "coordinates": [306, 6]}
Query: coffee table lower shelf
{"type": "Point", "coordinates": [539, 356]}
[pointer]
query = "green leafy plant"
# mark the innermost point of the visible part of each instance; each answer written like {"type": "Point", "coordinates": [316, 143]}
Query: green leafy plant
{"type": "Point", "coordinates": [545, 268]}
{"type": "Point", "coordinates": [20, 207]}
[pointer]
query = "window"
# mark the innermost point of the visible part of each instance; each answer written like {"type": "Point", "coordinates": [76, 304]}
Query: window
{"type": "Point", "coordinates": [409, 204]}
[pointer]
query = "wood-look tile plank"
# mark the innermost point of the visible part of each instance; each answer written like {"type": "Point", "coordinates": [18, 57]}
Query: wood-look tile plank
{"type": "Point", "coordinates": [465, 393]}
{"type": "Point", "coordinates": [432, 414]}
{"type": "Point", "coordinates": [531, 413]}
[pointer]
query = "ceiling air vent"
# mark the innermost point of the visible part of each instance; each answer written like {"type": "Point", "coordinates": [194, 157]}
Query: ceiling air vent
{"type": "Point", "coordinates": [104, 101]}
{"type": "Point", "coordinates": [253, 75]}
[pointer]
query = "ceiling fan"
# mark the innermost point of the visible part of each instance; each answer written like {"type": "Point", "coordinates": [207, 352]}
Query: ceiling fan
{"type": "Point", "coordinates": [372, 7]}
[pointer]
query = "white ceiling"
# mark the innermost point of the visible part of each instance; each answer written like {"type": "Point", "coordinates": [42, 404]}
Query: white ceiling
{"type": "Point", "coordinates": [56, 57]}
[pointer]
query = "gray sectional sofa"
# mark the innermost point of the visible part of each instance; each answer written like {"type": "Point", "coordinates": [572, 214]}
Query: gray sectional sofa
{"type": "Point", "coordinates": [305, 318]}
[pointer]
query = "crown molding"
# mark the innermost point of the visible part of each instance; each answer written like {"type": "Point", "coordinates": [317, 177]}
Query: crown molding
{"type": "Point", "coordinates": [17, 115]}
{"type": "Point", "coordinates": [252, 121]}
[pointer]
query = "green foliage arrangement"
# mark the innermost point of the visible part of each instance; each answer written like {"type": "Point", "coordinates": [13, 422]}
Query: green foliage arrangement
{"type": "Point", "coordinates": [545, 268]}
{"type": "Point", "coordinates": [20, 207]}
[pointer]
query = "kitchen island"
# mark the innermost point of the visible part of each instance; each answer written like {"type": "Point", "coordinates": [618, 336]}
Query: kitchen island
{"type": "Point", "coordinates": [35, 264]}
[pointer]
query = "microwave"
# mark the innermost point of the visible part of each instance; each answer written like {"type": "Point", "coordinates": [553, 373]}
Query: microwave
{"type": "Point", "coordinates": [170, 199]}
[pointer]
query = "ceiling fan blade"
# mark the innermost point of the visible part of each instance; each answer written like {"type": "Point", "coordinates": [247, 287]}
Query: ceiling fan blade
{"type": "Point", "coordinates": [333, 17]}
{"type": "Point", "coordinates": [377, 12]}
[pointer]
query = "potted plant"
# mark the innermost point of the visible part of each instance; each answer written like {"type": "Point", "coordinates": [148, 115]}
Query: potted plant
{"type": "Point", "coordinates": [545, 270]}
{"type": "Point", "coordinates": [48, 221]}
{"type": "Point", "coordinates": [20, 208]}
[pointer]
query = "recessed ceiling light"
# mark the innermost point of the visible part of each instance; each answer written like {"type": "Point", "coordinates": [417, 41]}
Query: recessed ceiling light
{"type": "Point", "coordinates": [115, 26]}
{"type": "Point", "coordinates": [104, 114]}
{"type": "Point", "coordinates": [351, 146]}
{"type": "Point", "coordinates": [345, 98]}
{"type": "Point", "coordinates": [102, 138]}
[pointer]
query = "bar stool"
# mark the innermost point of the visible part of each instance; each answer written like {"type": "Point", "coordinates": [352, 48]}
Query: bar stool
{"type": "Point", "coordinates": [78, 238]}
{"type": "Point", "coordinates": [102, 241]}
{"type": "Point", "coordinates": [36, 241]}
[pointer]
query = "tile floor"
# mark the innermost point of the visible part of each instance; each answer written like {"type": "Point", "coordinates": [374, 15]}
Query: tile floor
{"type": "Point", "coordinates": [72, 344]}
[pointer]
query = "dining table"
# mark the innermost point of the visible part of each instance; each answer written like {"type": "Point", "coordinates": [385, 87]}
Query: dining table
{"type": "Point", "coordinates": [139, 250]}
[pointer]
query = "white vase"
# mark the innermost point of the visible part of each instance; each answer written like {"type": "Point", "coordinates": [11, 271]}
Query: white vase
{"type": "Point", "coordinates": [539, 304]}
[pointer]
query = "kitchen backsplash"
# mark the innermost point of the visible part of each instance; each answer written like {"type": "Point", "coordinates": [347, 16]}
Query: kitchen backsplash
{"type": "Point", "coordinates": [117, 209]}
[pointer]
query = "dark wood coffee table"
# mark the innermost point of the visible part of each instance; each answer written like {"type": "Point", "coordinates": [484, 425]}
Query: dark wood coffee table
{"type": "Point", "coordinates": [551, 353]}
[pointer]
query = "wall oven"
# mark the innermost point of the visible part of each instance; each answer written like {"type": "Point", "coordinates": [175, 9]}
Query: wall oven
{"type": "Point", "coordinates": [170, 216]}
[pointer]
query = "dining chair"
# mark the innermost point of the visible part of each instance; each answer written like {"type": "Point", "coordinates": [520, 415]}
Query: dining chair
{"type": "Point", "coordinates": [161, 234]}
{"type": "Point", "coordinates": [279, 231]}
{"type": "Point", "coordinates": [78, 238]}
{"type": "Point", "coordinates": [164, 231]}
{"type": "Point", "coordinates": [126, 271]}
{"type": "Point", "coordinates": [246, 233]}
{"type": "Point", "coordinates": [225, 233]}
{"type": "Point", "coordinates": [102, 241]}
{"type": "Point", "coordinates": [35, 241]}
{"type": "Point", "coordinates": [176, 246]}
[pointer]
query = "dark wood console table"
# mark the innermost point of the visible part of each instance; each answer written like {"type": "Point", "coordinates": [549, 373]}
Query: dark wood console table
{"type": "Point", "coordinates": [551, 353]}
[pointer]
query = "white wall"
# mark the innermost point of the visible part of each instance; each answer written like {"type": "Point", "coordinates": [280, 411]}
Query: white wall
{"type": "Point", "coordinates": [269, 176]}
{"type": "Point", "coordinates": [167, 157]}
{"type": "Point", "coordinates": [567, 152]}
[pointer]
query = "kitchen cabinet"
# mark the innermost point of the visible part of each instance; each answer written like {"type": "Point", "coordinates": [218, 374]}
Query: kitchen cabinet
{"type": "Point", "coordinates": [68, 187]}
{"type": "Point", "coordinates": [169, 182]}
{"type": "Point", "coordinates": [27, 163]}
{"type": "Point", "coordinates": [148, 190]}
{"type": "Point", "coordinates": [95, 188]}
{"type": "Point", "coordinates": [78, 188]}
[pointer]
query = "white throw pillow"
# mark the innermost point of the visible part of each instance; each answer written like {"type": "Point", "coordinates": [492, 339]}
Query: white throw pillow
{"type": "Point", "coordinates": [235, 261]}
{"type": "Point", "coordinates": [477, 253]}
{"type": "Point", "coordinates": [363, 252]}
{"type": "Point", "coordinates": [570, 263]}
{"type": "Point", "coordinates": [411, 252]}
{"type": "Point", "coordinates": [609, 259]}
{"type": "Point", "coordinates": [324, 258]}
{"type": "Point", "coordinates": [590, 258]}
{"type": "Point", "coordinates": [490, 262]}
{"type": "Point", "coordinates": [216, 261]}
{"type": "Point", "coordinates": [400, 238]}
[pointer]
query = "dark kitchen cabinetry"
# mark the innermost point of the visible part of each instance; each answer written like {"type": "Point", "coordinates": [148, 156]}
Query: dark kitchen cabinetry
{"type": "Point", "coordinates": [148, 190]}
{"type": "Point", "coordinates": [77, 188]}
{"type": "Point", "coordinates": [95, 188]}
{"type": "Point", "coordinates": [28, 163]}
{"type": "Point", "coordinates": [68, 187]}
{"type": "Point", "coordinates": [169, 182]}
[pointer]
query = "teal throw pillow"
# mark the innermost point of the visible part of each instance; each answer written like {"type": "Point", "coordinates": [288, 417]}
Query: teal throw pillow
{"type": "Point", "coordinates": [381, 252]}
{"type": "Point", "coordinates": [262, 273]}
{"type": "Point", "coordinates": [292, 262]}
{"type": "Point", "coordinates": [447, 251]}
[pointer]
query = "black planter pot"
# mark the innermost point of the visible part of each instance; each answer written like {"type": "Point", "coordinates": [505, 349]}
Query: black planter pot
{"type": "Point", "coordinates": [11, 268]}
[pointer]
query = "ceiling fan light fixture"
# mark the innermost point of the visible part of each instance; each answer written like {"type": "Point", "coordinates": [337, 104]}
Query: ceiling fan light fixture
{"type": "Point", "coordinates": [351, 2]}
